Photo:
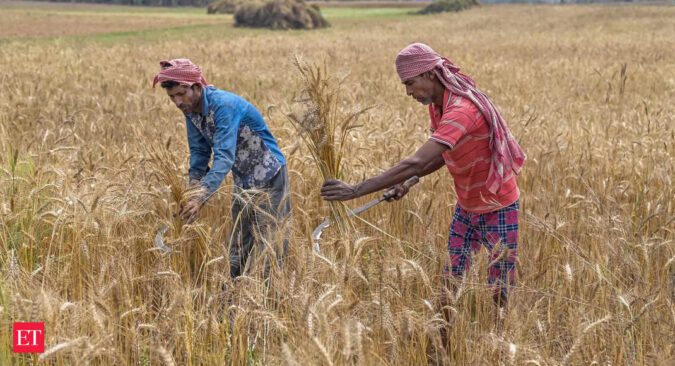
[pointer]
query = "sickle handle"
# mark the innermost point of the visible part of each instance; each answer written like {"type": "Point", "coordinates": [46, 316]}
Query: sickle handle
{"type": "Point", "coordinates": [408, 183]}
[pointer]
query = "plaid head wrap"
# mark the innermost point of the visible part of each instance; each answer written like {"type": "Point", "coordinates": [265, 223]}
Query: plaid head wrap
{"type": "Point", "coordinates": [507, 155]}
{"type": "Point", "coordinates": [180, 70]}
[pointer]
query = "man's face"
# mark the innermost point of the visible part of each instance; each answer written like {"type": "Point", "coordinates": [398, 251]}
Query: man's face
{"type": "Point", "coordinates": [187, 99]}
{"type": "Point", "coordinates": [421, 88]}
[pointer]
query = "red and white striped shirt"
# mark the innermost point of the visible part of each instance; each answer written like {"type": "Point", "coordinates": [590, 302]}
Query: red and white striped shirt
{"type": "Point", "coordinates": [462, 127]}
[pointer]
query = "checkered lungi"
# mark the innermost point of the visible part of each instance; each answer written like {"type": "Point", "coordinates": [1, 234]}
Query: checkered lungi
{"type": "Point", "coordinates": [498, 231]}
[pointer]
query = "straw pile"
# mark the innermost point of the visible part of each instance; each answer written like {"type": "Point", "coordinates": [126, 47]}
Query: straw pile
{"type": "Point", "coordinates": [224, 6]}
{"type": "Point", "coordinates": [280, 14]}
{"type": "Point", "coordinates": [441, 6]}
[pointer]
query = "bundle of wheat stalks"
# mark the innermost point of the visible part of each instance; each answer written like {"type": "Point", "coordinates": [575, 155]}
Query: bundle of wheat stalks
{"type": "Point", "coordinates": [324, 127]}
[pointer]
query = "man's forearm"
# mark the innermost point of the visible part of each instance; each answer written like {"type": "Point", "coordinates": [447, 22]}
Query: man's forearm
{"type": "Point", "coordinates": [432, 166]}
{"type": "Point", "coordinates": [425, 161]}
{"type": "Point", "coordinates": [397, 174]}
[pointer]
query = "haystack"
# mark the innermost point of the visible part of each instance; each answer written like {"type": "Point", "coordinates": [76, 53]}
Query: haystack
{"type": "Point", "coordinates": [225, 6]}
{"type": "Point", "coordinates": [441, 6]}
{"type": "Point", "coordinates": [280, 14]}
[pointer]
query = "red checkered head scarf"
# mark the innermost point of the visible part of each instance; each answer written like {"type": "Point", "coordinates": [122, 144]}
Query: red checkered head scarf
{"type": "Point", "coordinates": [180, 70]}
{"type": "Point", "coordinates": [507, 156]}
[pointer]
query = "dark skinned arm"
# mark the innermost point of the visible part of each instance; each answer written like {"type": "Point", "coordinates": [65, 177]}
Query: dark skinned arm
{"type": "Point", "coordinates": [433, 166]}
{"type": "Point", "coordinates": [428, 158]}
{"type": "Point", "coordinates": [401, 189]}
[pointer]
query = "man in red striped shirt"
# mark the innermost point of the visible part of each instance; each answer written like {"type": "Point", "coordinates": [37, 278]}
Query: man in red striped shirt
{"type": "Point", "coordinates": [458, 124]}
{"type": "Point", "coordinates": [470, 137]}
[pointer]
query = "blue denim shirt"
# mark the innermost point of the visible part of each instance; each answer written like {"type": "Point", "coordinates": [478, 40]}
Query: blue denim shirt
{"type": "Point", "coordinates": [235, 132]}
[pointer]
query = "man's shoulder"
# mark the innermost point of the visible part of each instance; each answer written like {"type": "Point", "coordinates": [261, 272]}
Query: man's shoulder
{"type": "Point", "coordinates": [215, 95]}
{"type": "Point", "coordinates": [226, 106]}
{"type": "Point", "coordinates": [461, 109]}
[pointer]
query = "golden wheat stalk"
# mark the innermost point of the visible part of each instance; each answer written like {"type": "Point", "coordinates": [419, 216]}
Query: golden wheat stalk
{"type": "Point", "coordinates": [324, 128]}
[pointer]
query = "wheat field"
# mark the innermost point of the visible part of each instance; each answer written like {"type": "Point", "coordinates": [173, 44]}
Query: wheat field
{"type": "Point", "coordinates": [92, 160]}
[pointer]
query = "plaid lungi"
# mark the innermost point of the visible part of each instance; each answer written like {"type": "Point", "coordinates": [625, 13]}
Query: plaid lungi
{"type": "Point", "coordinates": [498, 232]}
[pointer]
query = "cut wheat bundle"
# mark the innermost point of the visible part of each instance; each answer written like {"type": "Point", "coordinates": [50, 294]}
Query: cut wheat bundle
{"type": "Point", "coordinates": [324, 127]}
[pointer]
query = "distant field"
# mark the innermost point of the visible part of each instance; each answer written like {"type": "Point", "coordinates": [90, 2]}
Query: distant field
{"type": "Point", "coordinates": [22, 20]}
{"type": "Point", "coordinates": [91, 156]}
{"type": "Point", "coordinates": [26, 20]}
{"type": "Point", "coordinates": [87, 7]}
{"type": "Point", "coordinates": [32, 24]}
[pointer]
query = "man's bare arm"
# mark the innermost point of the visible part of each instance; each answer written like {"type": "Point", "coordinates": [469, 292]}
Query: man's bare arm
{"type": "Point", "coordinates": [424, 161]}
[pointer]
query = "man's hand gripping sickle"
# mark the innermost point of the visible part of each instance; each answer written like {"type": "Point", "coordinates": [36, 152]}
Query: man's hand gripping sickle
{"type": "Point", "coordinates": [397, 192]}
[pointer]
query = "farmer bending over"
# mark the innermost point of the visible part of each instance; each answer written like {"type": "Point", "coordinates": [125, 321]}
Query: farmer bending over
{"type": "Point", "coordinates": [470, 137]}
{"type": "Point", "coordinates": [231, 128]}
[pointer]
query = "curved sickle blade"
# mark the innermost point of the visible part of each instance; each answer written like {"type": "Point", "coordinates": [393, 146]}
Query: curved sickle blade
{"type": "Point", "coordinates": [159, 240]}
{"type": "Point", "coordinates": [316, 234]}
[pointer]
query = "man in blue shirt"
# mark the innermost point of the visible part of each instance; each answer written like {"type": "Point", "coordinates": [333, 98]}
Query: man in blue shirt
{"type": "Point", "coordinates": [225, 125]}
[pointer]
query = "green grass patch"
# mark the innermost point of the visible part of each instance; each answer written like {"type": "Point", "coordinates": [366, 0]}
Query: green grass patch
{"type": "Point", "coordinates": [203, 31]}
{"type": "Point", "coordinates": [356, 13]}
